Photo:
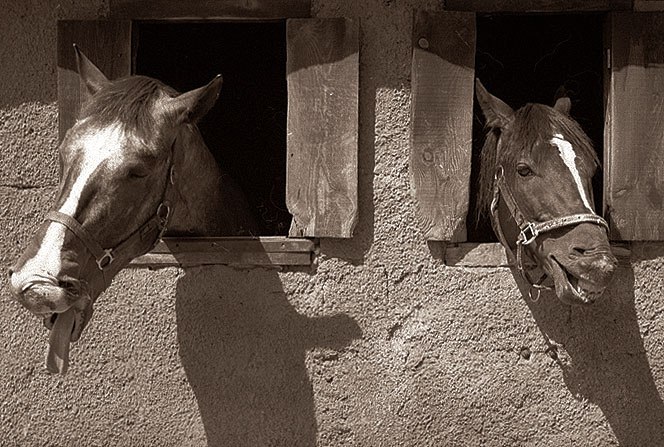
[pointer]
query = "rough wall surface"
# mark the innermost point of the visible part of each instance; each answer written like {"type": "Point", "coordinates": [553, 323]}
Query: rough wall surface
{"type": "Point", "coordinates": [380, 344]}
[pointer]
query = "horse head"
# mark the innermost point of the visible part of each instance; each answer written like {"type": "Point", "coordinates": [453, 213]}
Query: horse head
{"type": "Point", "coordinates": [117, 190]}
{"type": "Point", "coordinates": [536, 176]}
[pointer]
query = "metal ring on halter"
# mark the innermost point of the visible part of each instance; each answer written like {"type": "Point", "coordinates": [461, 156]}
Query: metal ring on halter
{"type": "Point", "coordinates": [164, 211]}
{"type": "Point", "coordinates": [500, 173]}
{"type": "Point", "coordinates": [106, 260]}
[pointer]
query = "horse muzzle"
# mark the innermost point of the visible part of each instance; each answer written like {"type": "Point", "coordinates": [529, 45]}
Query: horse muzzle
{"type": "Point", "coordinates": [47, 297]}
{"type": "Point", "coordinates": [583, 281]}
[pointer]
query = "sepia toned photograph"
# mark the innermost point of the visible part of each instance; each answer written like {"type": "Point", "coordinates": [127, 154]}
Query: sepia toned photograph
{"type": "Point", "coordinates": [331, 223]}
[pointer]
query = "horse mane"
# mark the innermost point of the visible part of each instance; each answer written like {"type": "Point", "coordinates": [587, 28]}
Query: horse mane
{"type": "Point", "coordinates": [488, 164]}
{"type": "Point", "coordinates": [130, 101]}
{"type": "Point", "coordinates": [530, 123]}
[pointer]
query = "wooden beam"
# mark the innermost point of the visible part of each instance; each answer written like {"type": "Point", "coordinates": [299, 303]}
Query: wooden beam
{"type": "Point", "coordinates": [634, 129]}
{"type": "Point", "coordinates": [157, 260]}
{"type": "Point", "coordinates": [492, 6]}
{"type": "Point", "coordinates": [270, 244]}
{"type": "Point", "coordinates": [443, 73]}
{"type": "Point", "coordinates": [323, 118]}
{"type": "Point", "coordinates": [262, 251]}
{"type": "Point", "coordinates": [205, 9]}
{"type": "Point", "coordinates": [648, 5]}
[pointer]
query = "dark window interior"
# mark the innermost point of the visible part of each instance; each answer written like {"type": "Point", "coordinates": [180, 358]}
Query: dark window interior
{"type": "Point", "coordinates": [527, 58]}
{"type": "Point", "coordinates": [246, 129]}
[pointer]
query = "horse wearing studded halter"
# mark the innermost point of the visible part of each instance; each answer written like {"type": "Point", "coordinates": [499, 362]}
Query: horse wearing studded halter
{"type": "Point", "coordinates": [133, 167]}
{"type": "Point", "coordinates": [536, 171]}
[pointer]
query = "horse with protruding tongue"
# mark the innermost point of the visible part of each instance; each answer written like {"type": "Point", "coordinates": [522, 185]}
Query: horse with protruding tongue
{"type": "Point", "coordinates": [133, 163]}
{"type": "Point", "coordinates": [536, 185]}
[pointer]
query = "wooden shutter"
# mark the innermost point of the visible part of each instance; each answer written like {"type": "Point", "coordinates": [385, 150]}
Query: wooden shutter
{"type": "Point", "coordinates": [634, 130]}
{"type": "Point", "coordinates": [443, 71]}
{"type": "Point", "coordinates": [106, 43]}
{"type": "Point", "coordinates": [321, 177]}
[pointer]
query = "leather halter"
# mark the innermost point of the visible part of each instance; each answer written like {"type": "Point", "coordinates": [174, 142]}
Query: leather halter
{"type": "Point", "coordinates": [529, 230]}
{"type": "Point", "coordinates": [147, 235]}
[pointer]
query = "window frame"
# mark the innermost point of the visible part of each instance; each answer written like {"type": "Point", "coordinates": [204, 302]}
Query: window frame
{"type": "Point", "coordinates": [301, 245]}
{"type": "Point", "coordinates": [454, 249]}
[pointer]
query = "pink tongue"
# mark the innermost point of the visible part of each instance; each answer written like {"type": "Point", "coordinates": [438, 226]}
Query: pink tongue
{"type": "Point", "coordinates": [57, 357]}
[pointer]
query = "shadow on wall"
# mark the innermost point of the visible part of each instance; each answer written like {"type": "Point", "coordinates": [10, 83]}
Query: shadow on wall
{"type": "Point", "coordinates": [243, 348]}
{"type": "Point", "coordinates": [605, 361]}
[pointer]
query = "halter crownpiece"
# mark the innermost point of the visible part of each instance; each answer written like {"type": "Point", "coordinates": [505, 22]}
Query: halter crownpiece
{"type": "Point", "coordinates": [529, 230]}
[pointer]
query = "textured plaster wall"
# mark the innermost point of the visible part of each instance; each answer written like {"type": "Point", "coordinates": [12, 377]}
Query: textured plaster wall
{"type": "Point", "coordinates": [379, 345]}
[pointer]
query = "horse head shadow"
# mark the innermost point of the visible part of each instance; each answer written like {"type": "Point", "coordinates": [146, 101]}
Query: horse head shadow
{"type": "Point", "coordinates": [243, 347]}
{"type": "Point", "coordinates": [601, 353]}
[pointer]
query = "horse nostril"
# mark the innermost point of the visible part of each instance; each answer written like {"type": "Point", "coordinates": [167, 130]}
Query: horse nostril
{"type": "Point", "coordinates": [589, 251]}
{"type": "Point", "coordinates": [70, 286]}
{"type": "Point", "coordinates": [10, 272]}
{"type": "Point", "coordinates": [580, 251]}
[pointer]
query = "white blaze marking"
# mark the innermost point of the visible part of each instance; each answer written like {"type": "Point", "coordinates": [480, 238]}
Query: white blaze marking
{"type": "Point", "coordinates": [569, 158]}
{"type": "Point", "coordinates": [98, 146]}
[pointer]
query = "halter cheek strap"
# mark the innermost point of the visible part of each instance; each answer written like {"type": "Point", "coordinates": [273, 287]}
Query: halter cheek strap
{"type": "Point", "coordinates": [152, 230]}
{"type": "Point", "coordinates": [146, 236]}
{"type": "Point", "coordinates": [529, 230]}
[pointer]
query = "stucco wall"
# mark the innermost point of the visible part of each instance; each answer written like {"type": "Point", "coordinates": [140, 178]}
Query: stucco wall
{"type": "Point", "coordinates": [378, 344]}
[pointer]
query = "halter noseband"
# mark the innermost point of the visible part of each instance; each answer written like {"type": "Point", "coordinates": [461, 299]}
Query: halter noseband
{"type": "Point", "coordinates": [529, 230]}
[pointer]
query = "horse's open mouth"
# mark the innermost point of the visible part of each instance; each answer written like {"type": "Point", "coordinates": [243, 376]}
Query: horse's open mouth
{"type": "Point", "coordinates": [572, 289]}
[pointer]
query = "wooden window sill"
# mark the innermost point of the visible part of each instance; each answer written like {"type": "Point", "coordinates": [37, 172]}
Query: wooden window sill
{"type": "Point", "coordinates": [246, 251]}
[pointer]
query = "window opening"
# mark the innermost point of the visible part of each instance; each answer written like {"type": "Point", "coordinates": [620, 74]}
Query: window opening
{"type": "Point", "coordinates": [526, 58]}
{"type": "Point", "coordinates": [246, 129]}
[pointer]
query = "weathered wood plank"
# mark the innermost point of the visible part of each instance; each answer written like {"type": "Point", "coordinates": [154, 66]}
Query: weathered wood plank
{"type": "Point", "coordinates": [537, 5]}
{"type": "Point", "coordinates": [322, 142]}
{"type": "Point", "coordinates": [634, 129]}
{"type": "Point", "coordinates": [206, 9]}
{"type": "Point", "coordinates": [106, 43]}
{"type": "Point", "coordinates": [190, 259]}
{"type": "Point", "coordinates": [443, 65]}
{"type": "Point", "coordinates": [648, 5]}
{"type": "Point", "coordinates": [270, 250]}
{"type": "Point", "coordinates": [269, 244]}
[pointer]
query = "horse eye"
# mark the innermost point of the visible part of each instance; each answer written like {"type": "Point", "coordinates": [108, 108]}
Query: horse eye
{"type": "Point", "coordinates": [524, 170]}
{"type": "Point", "coordinates": [136, 174]}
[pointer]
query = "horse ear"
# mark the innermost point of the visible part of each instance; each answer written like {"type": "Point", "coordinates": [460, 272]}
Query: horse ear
{"type": "Point", "coordinates": [497, 113]}
{"type": "Point", "coordinates": [563, 105]}
{"type": "Point", "coordinates": [92, 79]}
{"type": "Point", "coordinates": [562, 102]}
{"type": "Point", "coordinates": [191, 106]}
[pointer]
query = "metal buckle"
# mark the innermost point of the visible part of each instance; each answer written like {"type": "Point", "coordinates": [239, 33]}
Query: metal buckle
{"type": "Point", "coordinates": [500, 172]}
{"type": "Point", "coordinates": [528, 234]}
{"type": "Point", "coordinates": [163, 212]}
{"type": "Point", "coordinates": [106, 260]}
